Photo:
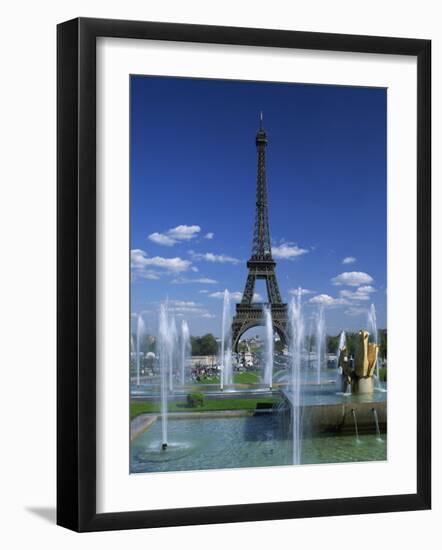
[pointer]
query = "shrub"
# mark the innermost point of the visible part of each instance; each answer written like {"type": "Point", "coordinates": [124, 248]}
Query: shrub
{"type": "Point", "coordinates": [383, 374]}
{"type": "Point", "coordinates": [195, 399]}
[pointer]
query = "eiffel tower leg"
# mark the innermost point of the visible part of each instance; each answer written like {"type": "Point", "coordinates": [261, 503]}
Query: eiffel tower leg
{"type": "Point", "coordinates": [236, 327]}
{"type": "Point", "coordinates": [247, 297]}
{"type": "Point", "coordinates": [273, 289]}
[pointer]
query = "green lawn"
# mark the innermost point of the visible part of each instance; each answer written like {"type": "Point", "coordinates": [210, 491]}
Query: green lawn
{"type": "Point", "coordinates": [238, 378]}
{"type": "Point", "coordinates": [138, 407]}
{"type": "Point", "coordinates": [246, 378]}
{"type": "Point", "coordinates": [208, 380]}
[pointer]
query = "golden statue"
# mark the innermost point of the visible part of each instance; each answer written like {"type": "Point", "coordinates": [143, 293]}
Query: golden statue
{"type": "Point", "coordinates": [366, 356]}
{"type": "Point", "coordinates": [360, 375]}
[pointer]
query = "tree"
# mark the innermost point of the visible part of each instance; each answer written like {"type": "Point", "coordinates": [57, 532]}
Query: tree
{"type": "Point", "coordinates": [204, 345]}
{"type": "Point", "coordinates": [209, 345]}
{"type": "Point", "coordinates": [195, 343]}
{"type": "Point", "coordinates": [383, 343]}
{"type": "Point", "coordinates": [332, 344]}
{"type": "Point", "coordinates": [195, 399]}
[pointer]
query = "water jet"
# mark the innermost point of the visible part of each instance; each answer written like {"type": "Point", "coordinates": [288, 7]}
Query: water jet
{"type": "Point", "coordinates": [269, 346]}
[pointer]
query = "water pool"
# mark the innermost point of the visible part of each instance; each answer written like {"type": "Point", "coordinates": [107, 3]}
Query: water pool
{"type": "Point", "coordinates": [242, 442]}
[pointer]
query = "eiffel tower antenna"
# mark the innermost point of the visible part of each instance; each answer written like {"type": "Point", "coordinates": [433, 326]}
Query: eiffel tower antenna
{"type": "Point", "coordinates": [261, 264]}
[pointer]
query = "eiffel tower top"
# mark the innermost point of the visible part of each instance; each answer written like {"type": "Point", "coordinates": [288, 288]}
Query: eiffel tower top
{"type": "Point", "coordinates": [261, 248]}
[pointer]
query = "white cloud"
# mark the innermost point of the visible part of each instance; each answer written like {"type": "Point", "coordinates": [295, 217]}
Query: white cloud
{"type": "Point", "coordinates": [175, 234]}
{"type": "Point", "coordinates": [347, 297]}
{"type": "Point", "coordinates": [161, 238]}
{"type": "Point", "coordinates": [184, 232]}
{"type": "Point", "coordinates": [327, 301]}
{"type": "Point", "coordinates": [287, 251]}
{"type": "Point", "coordinates": [213, 258]}
{"type": "Point", "coordinates": [200, 280]}
{"type": "Point", "coordinates": [304, 291]}
{"type": "Point", "coordinates": [360, 294]}
{"type": "Point", "coordinates": [147, 267]}
{"type": "Point", "coordinates": [209, 236]}
{"type": "Point", "coordinates": [169, 264]}
{"type": "Point", "coordinates": [352, 278]}
{"type": "Point", "coordinates": [349, 260]}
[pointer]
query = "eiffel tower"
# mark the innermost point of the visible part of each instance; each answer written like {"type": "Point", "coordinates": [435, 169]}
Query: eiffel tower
{"type": "Point", "coordinates": [261, 264]}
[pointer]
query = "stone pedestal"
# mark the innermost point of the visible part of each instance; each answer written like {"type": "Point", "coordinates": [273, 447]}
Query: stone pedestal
{"type": "Point", "coordinates": [363, 385]}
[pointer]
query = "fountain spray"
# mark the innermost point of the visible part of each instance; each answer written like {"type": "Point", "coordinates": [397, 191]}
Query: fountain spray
{"type": "Point", "coordinates": [320, 342]}
{"type": "Point", "coordinates": [185, 349]}
{"type": "Point", "coordinates": [296, 343]}
{"type": "Point", "coordinates": [140, 332]}
{"type": "Point", "coordinates": [173, 337]}
{"type": "Point", "coordinates": [226, 352]}
{"type": "Point", "coordinates": [373, 329]}
{"type": "Point", "coordinates": [268, 371]}
{"type": "Point", "coordinates": [164, 353]}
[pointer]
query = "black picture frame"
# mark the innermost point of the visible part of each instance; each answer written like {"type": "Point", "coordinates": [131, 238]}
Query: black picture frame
{"type": "Point", "coordinates": [77, 287]}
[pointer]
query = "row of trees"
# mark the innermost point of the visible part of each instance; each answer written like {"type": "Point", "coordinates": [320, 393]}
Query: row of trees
{"type": "Point", "coordinates": [204, 345]}
{"type": "Point", "coordinates": [207, 344]}
{"type": "Point", "coordinates": [201, 345]}
{"type": "Point", "coordinates": [352, 339]}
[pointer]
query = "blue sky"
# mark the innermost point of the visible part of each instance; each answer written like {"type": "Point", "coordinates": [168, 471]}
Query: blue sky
{"type": "Point", "coordinates": [193, 179]}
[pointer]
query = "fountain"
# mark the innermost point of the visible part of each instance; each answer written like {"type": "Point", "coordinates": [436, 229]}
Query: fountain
{"type": "Point", "coordinates": [269, 345]}
{"type": "Point", "coordinates": [296, 322]}
{"type": "Point", "coordinates": [173, 337]}
{"type": "Point", "coordinates": [373, 329]}
{"type": "Point", "coordinates": [346, 371]}
{"type": "Point", "coordinates": [189, 442]}
{"type": "Point", "coordinates": [165, 353]}
{"type": "Point", "coordinates": [132, 349]}
{"type": "Point", "coordinates": [140, 332]}
{"type": "Point", "coordinates": [341, 345]}
{"type": "Point", "coordinates": [226, 352]}
{"type": "Point", "coordinates": [362, 375]}
{"type": "Point", "coordinates": [309, 343]}
{"type": "Point", "coordinates": [355, 420]}
{"type": "Point", "coordinates": [376, 421]}
{"type": "Point", "coordinates": [341, 357]}
{"type": "Point", "coordinates": [185, 349]}
{"type": "Point", "coordinates": [320, 342]}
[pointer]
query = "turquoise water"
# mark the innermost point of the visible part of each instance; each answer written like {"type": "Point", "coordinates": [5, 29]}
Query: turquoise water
{"type": "Point", "coordinates": [242, 442]}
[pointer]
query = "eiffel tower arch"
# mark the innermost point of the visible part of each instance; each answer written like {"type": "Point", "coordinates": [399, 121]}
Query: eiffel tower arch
{"type": "Point", "coordinates": [261, 264]}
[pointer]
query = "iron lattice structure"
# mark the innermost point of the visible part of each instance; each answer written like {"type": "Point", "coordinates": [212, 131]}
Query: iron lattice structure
{"type": "Point", "coordinates": [261, 264]}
